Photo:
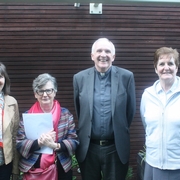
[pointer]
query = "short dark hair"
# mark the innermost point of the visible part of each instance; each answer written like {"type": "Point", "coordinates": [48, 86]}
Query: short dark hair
{"type": "Point", "coordinates": [3, 72]}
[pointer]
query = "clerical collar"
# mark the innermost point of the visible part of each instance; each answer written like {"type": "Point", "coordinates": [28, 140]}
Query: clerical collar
{"type": "Point", "coordinates": [103, 74]}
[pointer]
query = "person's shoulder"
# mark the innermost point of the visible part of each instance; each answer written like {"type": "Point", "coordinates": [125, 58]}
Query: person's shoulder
{"type": "Point", "coordinates": [10, 99]}
{"type": "Point", "coordinates": [64, 110]}
{"type": "Point", "coordinates": [148, 90]}
{"type": "Point", "coordinates": [84, 72]}
{"type": "Point", "coordinates": [151, 89]}
{"type": "Point", "coordinates": [121, 70]}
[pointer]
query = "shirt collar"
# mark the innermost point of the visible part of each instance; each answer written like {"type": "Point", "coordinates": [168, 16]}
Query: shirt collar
{"type": "Point", "coordinates": [103, 74]}
{"type": "Point", "coordinates": [172, 89]}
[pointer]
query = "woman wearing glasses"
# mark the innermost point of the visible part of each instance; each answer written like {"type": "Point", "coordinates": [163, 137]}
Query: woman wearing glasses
{"type": "Point", "coordinates": [62, 139]}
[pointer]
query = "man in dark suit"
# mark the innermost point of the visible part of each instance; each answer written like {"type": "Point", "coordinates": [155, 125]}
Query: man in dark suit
{"type": "Point", "coordinates": [105, 104]}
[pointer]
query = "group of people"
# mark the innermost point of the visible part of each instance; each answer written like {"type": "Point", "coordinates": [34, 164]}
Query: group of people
{"type": "Point", "coordinates": [105, 104]}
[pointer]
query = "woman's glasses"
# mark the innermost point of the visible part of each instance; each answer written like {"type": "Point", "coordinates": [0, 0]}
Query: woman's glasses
{"type": "Point", "coordinates": [48, 91]}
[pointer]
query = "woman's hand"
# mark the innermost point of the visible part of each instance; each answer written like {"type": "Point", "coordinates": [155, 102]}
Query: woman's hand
{"type": "Point", "coordinates": [48, 139]}
{"type": "Point", "coordinates": [52, 134]}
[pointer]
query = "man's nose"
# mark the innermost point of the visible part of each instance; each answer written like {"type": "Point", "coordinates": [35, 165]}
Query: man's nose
{"type": "Point", "coordinates": [103, 53]}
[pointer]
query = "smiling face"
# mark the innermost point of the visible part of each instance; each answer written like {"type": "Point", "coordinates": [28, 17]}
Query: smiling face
{"type": "Point", "coordinates": [166, 68]}
{"type": "Point", "coordinates": [103, 55]}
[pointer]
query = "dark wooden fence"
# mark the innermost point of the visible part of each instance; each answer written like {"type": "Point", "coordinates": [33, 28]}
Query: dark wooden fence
{"type": "Point", "coordinates": [57, 39]}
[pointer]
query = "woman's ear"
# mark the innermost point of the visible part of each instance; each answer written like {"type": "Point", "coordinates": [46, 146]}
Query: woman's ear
{"type": "Point", "coordinates": [35, 95]}
{"type": "Point", "coordinates": [155, 70]}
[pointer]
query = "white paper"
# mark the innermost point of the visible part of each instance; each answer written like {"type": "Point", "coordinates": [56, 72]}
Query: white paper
{"type": "Point", "coordinates": [36, 124]}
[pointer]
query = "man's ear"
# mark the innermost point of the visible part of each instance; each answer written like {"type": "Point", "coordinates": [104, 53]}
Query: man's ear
{"type": "Point", "coordinates": [92, 57]}
{"type": "Point", "coordinates": [113, 57]}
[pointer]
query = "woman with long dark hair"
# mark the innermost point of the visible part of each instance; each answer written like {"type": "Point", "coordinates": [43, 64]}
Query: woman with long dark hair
{"type": "Point", "coordinates": [9, 120]}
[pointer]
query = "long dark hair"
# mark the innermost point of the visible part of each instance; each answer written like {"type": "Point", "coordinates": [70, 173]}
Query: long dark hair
{"type": "Point", "coordinates": [3, 72]}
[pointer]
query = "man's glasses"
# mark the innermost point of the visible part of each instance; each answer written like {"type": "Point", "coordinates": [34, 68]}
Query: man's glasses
{"type": "Point", "coordinates": [48, 91]}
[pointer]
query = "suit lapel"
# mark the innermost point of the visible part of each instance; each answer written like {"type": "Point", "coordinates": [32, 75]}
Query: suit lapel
{"type": "Point", "coordinates": [8, 113]}
{"type": "Point", "coordinates": [90, 89]}
{"type": "Point", "coordinates": [114, 88]}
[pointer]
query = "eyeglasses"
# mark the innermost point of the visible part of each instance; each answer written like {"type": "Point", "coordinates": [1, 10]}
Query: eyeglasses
{"type": "Point", "coordinates": [48, 91]}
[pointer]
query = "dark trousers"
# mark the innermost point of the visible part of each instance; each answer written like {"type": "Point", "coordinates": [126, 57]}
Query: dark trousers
{"type": "Point", "coordinates": [5, 171]}
{"type": "Point", "coordinates": [62, 175]}
{"type": "Point", "coordinates": [102, 162]}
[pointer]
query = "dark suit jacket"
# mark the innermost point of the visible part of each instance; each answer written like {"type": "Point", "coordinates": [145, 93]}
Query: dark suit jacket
{"type": "Point", "coordinates": [123, 104]}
